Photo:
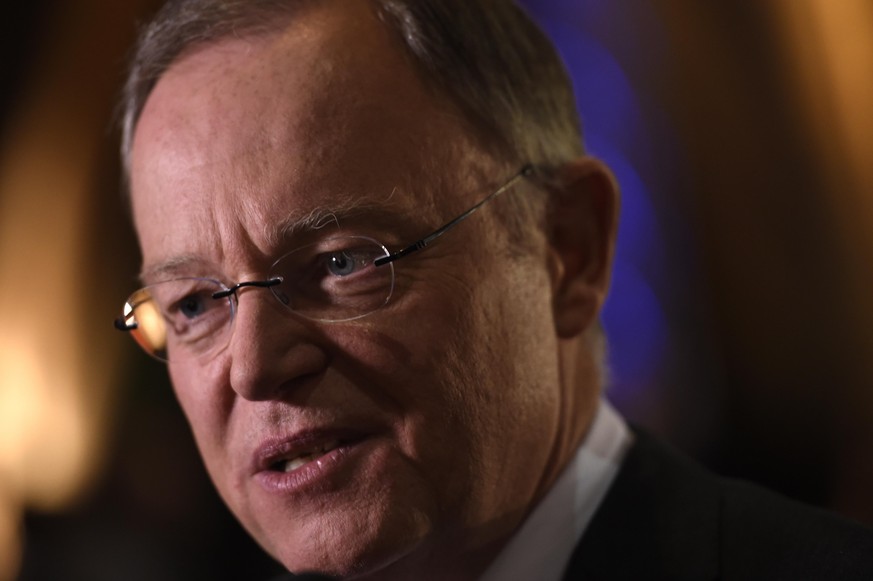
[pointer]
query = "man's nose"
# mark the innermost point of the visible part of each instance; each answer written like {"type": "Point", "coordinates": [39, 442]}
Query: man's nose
{"type": "Point", "coordinates": [272, 351]}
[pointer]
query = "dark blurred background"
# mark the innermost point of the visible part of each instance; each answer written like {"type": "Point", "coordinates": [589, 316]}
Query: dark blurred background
{"type": "Point", "coordinates": [741, 322]}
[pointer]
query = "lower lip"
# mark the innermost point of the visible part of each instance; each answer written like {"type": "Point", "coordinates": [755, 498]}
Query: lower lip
{"type": "Point", "coordinates": [321, 475]}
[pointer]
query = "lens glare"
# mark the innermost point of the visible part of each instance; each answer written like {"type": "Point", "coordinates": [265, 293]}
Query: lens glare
{"type": "Point", "coordinates": [150, 331]}
{"type": "Point", "coordinates": [179, 318]}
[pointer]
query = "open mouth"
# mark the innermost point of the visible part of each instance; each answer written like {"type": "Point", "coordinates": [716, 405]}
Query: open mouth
{"type": "Point", "coordinates": [300, 458]}
{"type": "Point", "coordinates": [311, 462]}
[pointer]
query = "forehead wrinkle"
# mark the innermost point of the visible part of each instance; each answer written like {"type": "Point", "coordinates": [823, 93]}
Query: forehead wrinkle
{"type": "Point", "coordinates": [301, 223]}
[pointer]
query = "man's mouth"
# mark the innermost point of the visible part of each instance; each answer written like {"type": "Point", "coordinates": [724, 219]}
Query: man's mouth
{"type": "Point", "coordinates": [313, 460]}
{"type": "Point", "coordinates": [298, 459]}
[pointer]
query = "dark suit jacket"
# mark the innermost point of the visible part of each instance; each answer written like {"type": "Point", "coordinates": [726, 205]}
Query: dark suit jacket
{"type": "Point", "coordinates": [665, 517]}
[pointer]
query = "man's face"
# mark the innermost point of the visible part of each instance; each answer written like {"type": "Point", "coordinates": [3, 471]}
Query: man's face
{"type": "Point", "coordinates": [439, 412]}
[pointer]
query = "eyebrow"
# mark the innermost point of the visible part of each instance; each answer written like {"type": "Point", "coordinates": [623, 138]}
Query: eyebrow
{"type": "Point", "coordinates": [347, 208]}
{"type": "Point", "coordinates": [316, 219]}
{"type": "Point", "coordinates": [176, 266]}
{"type": "Point", "coordinates": [295, 225]}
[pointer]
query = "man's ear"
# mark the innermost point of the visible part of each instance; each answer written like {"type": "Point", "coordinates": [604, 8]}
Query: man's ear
{"type": "Point", "coordinates": [582, 224]}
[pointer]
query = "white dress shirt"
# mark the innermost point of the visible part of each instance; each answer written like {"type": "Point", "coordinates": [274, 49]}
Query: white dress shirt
{"type": "Point", "coordinates": [542, 547]}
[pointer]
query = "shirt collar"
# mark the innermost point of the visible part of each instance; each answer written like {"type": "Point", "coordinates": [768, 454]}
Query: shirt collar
{"type": "Point", "coordinates": [542, 547]}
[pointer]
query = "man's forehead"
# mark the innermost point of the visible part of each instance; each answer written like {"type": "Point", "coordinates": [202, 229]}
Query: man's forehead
{"type": "Point", "coordinates": [264, 136]}
{"type": "Point", "coordinates": [330, 82]}
{"type": "Point", "coordinates": [252, 84]}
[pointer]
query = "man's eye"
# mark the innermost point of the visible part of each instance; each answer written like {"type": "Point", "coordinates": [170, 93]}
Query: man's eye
{"type": "Point", "coordinates": [342, 263]}
{"type": "Point", "coordinates": [192, 306]}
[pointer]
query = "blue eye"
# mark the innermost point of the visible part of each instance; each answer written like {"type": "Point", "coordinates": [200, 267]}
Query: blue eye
{"type": "Point", "coordinates": [341, 263]}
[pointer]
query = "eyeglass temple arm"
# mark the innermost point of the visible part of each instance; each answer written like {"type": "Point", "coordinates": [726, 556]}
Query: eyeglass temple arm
{"type": "Point", "coordinates": [524, 172]}
{"type": "Point", "coordinates": [122, 325]}
{"type": "Point", "coordinates": [121, 322]}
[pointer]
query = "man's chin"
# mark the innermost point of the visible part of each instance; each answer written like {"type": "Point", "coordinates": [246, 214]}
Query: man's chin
{"type": "Point", "coordinates": [345, 549]}
{"type": "Point", "coordinates": [340, 563]}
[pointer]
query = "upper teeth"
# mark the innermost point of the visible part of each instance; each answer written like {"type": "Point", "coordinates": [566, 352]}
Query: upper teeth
{"type": "Point", "coordinates": [309, 456]}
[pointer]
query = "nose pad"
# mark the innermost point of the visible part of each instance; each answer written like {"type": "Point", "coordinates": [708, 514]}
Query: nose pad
{"type": "Point", "coordinates": [281, 296]}
{"type": "Point", "coordinates": [271, 350]}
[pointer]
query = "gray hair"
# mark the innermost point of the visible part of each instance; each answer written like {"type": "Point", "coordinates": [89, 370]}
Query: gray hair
{"type": "Point", "coordinates": [487, 56]}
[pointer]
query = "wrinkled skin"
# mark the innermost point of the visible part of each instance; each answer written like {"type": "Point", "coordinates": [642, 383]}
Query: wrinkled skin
{"type": "Point", "coordinates": [462, 395]}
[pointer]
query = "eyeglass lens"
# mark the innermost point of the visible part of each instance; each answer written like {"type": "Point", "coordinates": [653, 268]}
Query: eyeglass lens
{"type": "Point", "coordinates": [332, 280]}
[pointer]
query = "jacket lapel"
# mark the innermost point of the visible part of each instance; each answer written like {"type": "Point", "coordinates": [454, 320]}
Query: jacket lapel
{"type": "Point", "coordinates": [660, 520]}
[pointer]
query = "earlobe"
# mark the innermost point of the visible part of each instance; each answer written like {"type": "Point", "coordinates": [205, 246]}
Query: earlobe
{"type": "Point", "coordinates": [582, 227]}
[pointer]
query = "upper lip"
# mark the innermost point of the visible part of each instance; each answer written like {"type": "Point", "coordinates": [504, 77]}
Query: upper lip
{"type": "Point", "coordinates": [276, 449]}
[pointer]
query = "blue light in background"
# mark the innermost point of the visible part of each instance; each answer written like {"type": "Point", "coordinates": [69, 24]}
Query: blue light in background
{"type": "Point", "coordinates": [613, 126]}
{"type": "Point", "coordinates": [604, 96]}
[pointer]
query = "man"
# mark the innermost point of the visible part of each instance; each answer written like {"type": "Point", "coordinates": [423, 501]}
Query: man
{"type": "Point", "coordinates": [374, 256]}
